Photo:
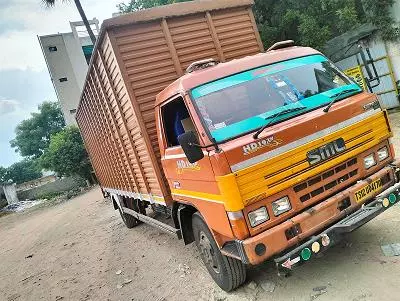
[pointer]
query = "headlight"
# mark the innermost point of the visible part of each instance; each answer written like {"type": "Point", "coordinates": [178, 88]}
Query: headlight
{"type": "Point", "coordinates": [383, 153]}
{"type": "Point", "coordinates": [258, 216]}
{"type": "Point", "coordinates": [369, 161]}
{"type": "Point", "coordinates": [280, 206]}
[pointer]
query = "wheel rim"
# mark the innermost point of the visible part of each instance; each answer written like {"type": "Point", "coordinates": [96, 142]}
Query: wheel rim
{"type": "Point", "coordinates": [208, 252]}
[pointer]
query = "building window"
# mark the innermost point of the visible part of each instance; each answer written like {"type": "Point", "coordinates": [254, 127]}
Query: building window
{"type": "Point", "coordinates": [52, 48]}
{"type": "Point", "coordinates": [63, 79]}
{"type": "Point", "coordinates": [73, 111]}
{"type": "Point", "coordinates": [87, 52]}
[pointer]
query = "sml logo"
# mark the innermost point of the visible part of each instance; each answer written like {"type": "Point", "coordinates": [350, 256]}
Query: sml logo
{"type": "Point", "coordinates": [266, 142]}
{"type": "Point", "coordinates": [184, 165]}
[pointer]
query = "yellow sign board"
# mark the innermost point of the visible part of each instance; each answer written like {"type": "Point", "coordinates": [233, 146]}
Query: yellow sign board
{"type": "Point", "coordinates": [357, 74]}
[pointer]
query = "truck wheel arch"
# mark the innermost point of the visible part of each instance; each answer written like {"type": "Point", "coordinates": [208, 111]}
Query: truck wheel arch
{"type": "Point", "coordinates": [184, 215]}
{"type": "Point", "coordinates": [114, 203]}
{"type": "Point", "coordinates": [117, 200]}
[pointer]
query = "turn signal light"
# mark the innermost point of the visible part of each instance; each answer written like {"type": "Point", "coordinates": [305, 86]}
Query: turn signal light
{"type": "Point", "coordinates": [238, 224]}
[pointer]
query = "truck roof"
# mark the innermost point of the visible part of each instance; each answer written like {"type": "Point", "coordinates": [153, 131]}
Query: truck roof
{"type": "Point", "coordinates": [196, 78]}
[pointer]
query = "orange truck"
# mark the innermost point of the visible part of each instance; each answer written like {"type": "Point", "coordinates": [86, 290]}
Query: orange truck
{"type": "Point", "coordinates": [253, 155]}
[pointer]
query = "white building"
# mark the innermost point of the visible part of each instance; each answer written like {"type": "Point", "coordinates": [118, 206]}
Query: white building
{"type": "Point", "coordinates": [67, 57]}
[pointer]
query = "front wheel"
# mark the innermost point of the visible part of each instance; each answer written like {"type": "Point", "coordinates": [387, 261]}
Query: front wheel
{"type": "Point", "coordinates": [229, 273]}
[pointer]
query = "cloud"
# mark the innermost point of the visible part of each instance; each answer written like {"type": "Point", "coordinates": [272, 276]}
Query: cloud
{"type": "Point", "coordinates": [24, 79]}
{"type": "Point", "coordinates": [9, 25]}
{"type": "Point", "coordinates": [21, 21]}
{"type": "Point", "coordinates": [21, 91]}
{"type": "Point", "coordinates": [8, 106]}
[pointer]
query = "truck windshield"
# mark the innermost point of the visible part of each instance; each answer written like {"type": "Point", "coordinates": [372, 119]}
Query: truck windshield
{"type": "Point", "coordinates": [246, 101]}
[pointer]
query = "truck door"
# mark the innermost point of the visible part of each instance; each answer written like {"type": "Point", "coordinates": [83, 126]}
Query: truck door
{"type": "Point", "coordinates": [191, 182]}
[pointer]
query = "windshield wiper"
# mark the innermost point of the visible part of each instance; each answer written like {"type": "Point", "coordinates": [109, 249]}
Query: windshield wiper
{"type": "Point", "coordinates": [274, 117]}
{"type": "Point", "coordinates": [335, 97]}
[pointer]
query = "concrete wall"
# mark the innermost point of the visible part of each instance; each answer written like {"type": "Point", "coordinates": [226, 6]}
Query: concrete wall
{"type": "Point", "coordinates": [11, 193]}
{"type": "Point", "coordinates": [3, 201]}
{"type": "Point", "coordinates": [60, 185]}
{"type": "Point", "coordinates": [36, 182]}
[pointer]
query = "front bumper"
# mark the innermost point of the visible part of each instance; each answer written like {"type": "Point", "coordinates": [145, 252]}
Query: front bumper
{"type": "Point", "coordinates": [335, 210]}
{"type": "Point", "coordinates": [329, 237]}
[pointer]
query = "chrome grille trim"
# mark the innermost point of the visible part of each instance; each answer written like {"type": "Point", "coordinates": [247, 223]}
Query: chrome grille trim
{"type": "Point", "coordinates": [302, 141]}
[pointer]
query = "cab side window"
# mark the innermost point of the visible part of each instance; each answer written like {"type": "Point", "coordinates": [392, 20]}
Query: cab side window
{"type": "Point", "coordinates": [176, 121]}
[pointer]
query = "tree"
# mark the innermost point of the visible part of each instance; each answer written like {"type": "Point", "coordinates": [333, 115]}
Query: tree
{"type": "Point", "coordinates": [66, 154]}
{"type": "Point", "coordinates": [3, 172]}
{"type": "Point", "coordinates": [135, 5]}
{"type": "Point", "coordinates": [307, 22]}
{"type": "Point", "coordinates": [22, 171]}
{"type": "Point", "coordinates": [314, 22]}
{"type": "Point", "coordinates": [33, 134]}
{"type": "Point", "coordinates": [51, 3]}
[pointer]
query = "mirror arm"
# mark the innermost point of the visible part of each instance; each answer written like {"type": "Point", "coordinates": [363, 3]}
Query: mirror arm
{"type": "Point", "coordinates": [365, 62]}
{"type": "Point", "coordinates": [205, 146]}
{"type": "Point", "coordinates": [376, 76]}
{"type": "Point", "coordinates": [371, 77]}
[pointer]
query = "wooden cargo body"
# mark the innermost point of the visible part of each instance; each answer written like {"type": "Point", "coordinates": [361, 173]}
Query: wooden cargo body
{"type": "Point", "coordinates": [136, 56]}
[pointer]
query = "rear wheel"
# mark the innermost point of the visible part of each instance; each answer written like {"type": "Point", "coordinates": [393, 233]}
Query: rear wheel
{"type": "Point", "coordinates": [129, 220]}
{"type": "Point", "coordinates": [227, 272]}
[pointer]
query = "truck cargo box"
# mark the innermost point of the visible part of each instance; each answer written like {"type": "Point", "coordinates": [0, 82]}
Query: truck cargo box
{"type": "Point", "coordinates": [136, 56]}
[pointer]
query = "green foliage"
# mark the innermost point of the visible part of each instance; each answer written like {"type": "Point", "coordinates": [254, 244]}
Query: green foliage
{"type": "Point", "coordinates": [66, 154]}
{"type": "Point", "coordinates": [308, 22]}
{"type": "Point", "coordinates": [21, 172]}
{"type": "Point", "coordinates": [378, 13]}
{"type": "Point", "coordinates": [3, 173]}
{"type": "Point", "coordinates": [49, 195]}
{"type": "Point", "coordinates": [33, 134]}
{"type": "Point", "coordinates": [135, 5]}
{"type": "Point", "coordinates": [314, 22]}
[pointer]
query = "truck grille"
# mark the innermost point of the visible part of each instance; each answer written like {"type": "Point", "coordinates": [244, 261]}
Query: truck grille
{"type": "Point", "coordinates": [339, 175]}
{"type": "Point", "coordinates": [283, 171]}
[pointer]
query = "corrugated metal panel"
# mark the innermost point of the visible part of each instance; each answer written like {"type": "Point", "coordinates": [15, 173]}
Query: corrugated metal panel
{"type": "Point", "coordinates": [236, 34]}
{"type": "Point", "coordinates": [192, 39]}
{"type": "Point", "coordinates": [148, 67]}
{"type": "Point", "coordinates": [131, 65]}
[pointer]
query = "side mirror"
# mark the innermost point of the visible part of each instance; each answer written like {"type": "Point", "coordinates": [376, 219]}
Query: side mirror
{"type": "Point", "coordinates": [190, 146]}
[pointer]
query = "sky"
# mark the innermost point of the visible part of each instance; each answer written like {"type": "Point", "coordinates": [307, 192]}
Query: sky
{"type": "Point", "coordinates": [24, 79]}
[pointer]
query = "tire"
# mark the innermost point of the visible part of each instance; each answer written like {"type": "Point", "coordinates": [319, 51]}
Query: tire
{"type": "Point", "coordinates": [129, 220]}
{"type": "Point", "coordinates": [229, 273]}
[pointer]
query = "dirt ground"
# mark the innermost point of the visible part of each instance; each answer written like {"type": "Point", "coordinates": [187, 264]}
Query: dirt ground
{"type": "Point", "coordinates": [81, 250]}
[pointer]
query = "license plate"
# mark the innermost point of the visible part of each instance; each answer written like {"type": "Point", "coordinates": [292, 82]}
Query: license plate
{"type": "Point", "coordinates": [368, 190]}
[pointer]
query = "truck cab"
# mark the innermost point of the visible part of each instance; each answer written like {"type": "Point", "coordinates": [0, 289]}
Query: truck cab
{"type": "Point", "coordinates": [279, 155]}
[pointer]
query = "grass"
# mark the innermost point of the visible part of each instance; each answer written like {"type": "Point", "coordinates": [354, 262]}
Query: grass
{"type": "Point", "coordinates": [4, 213]}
